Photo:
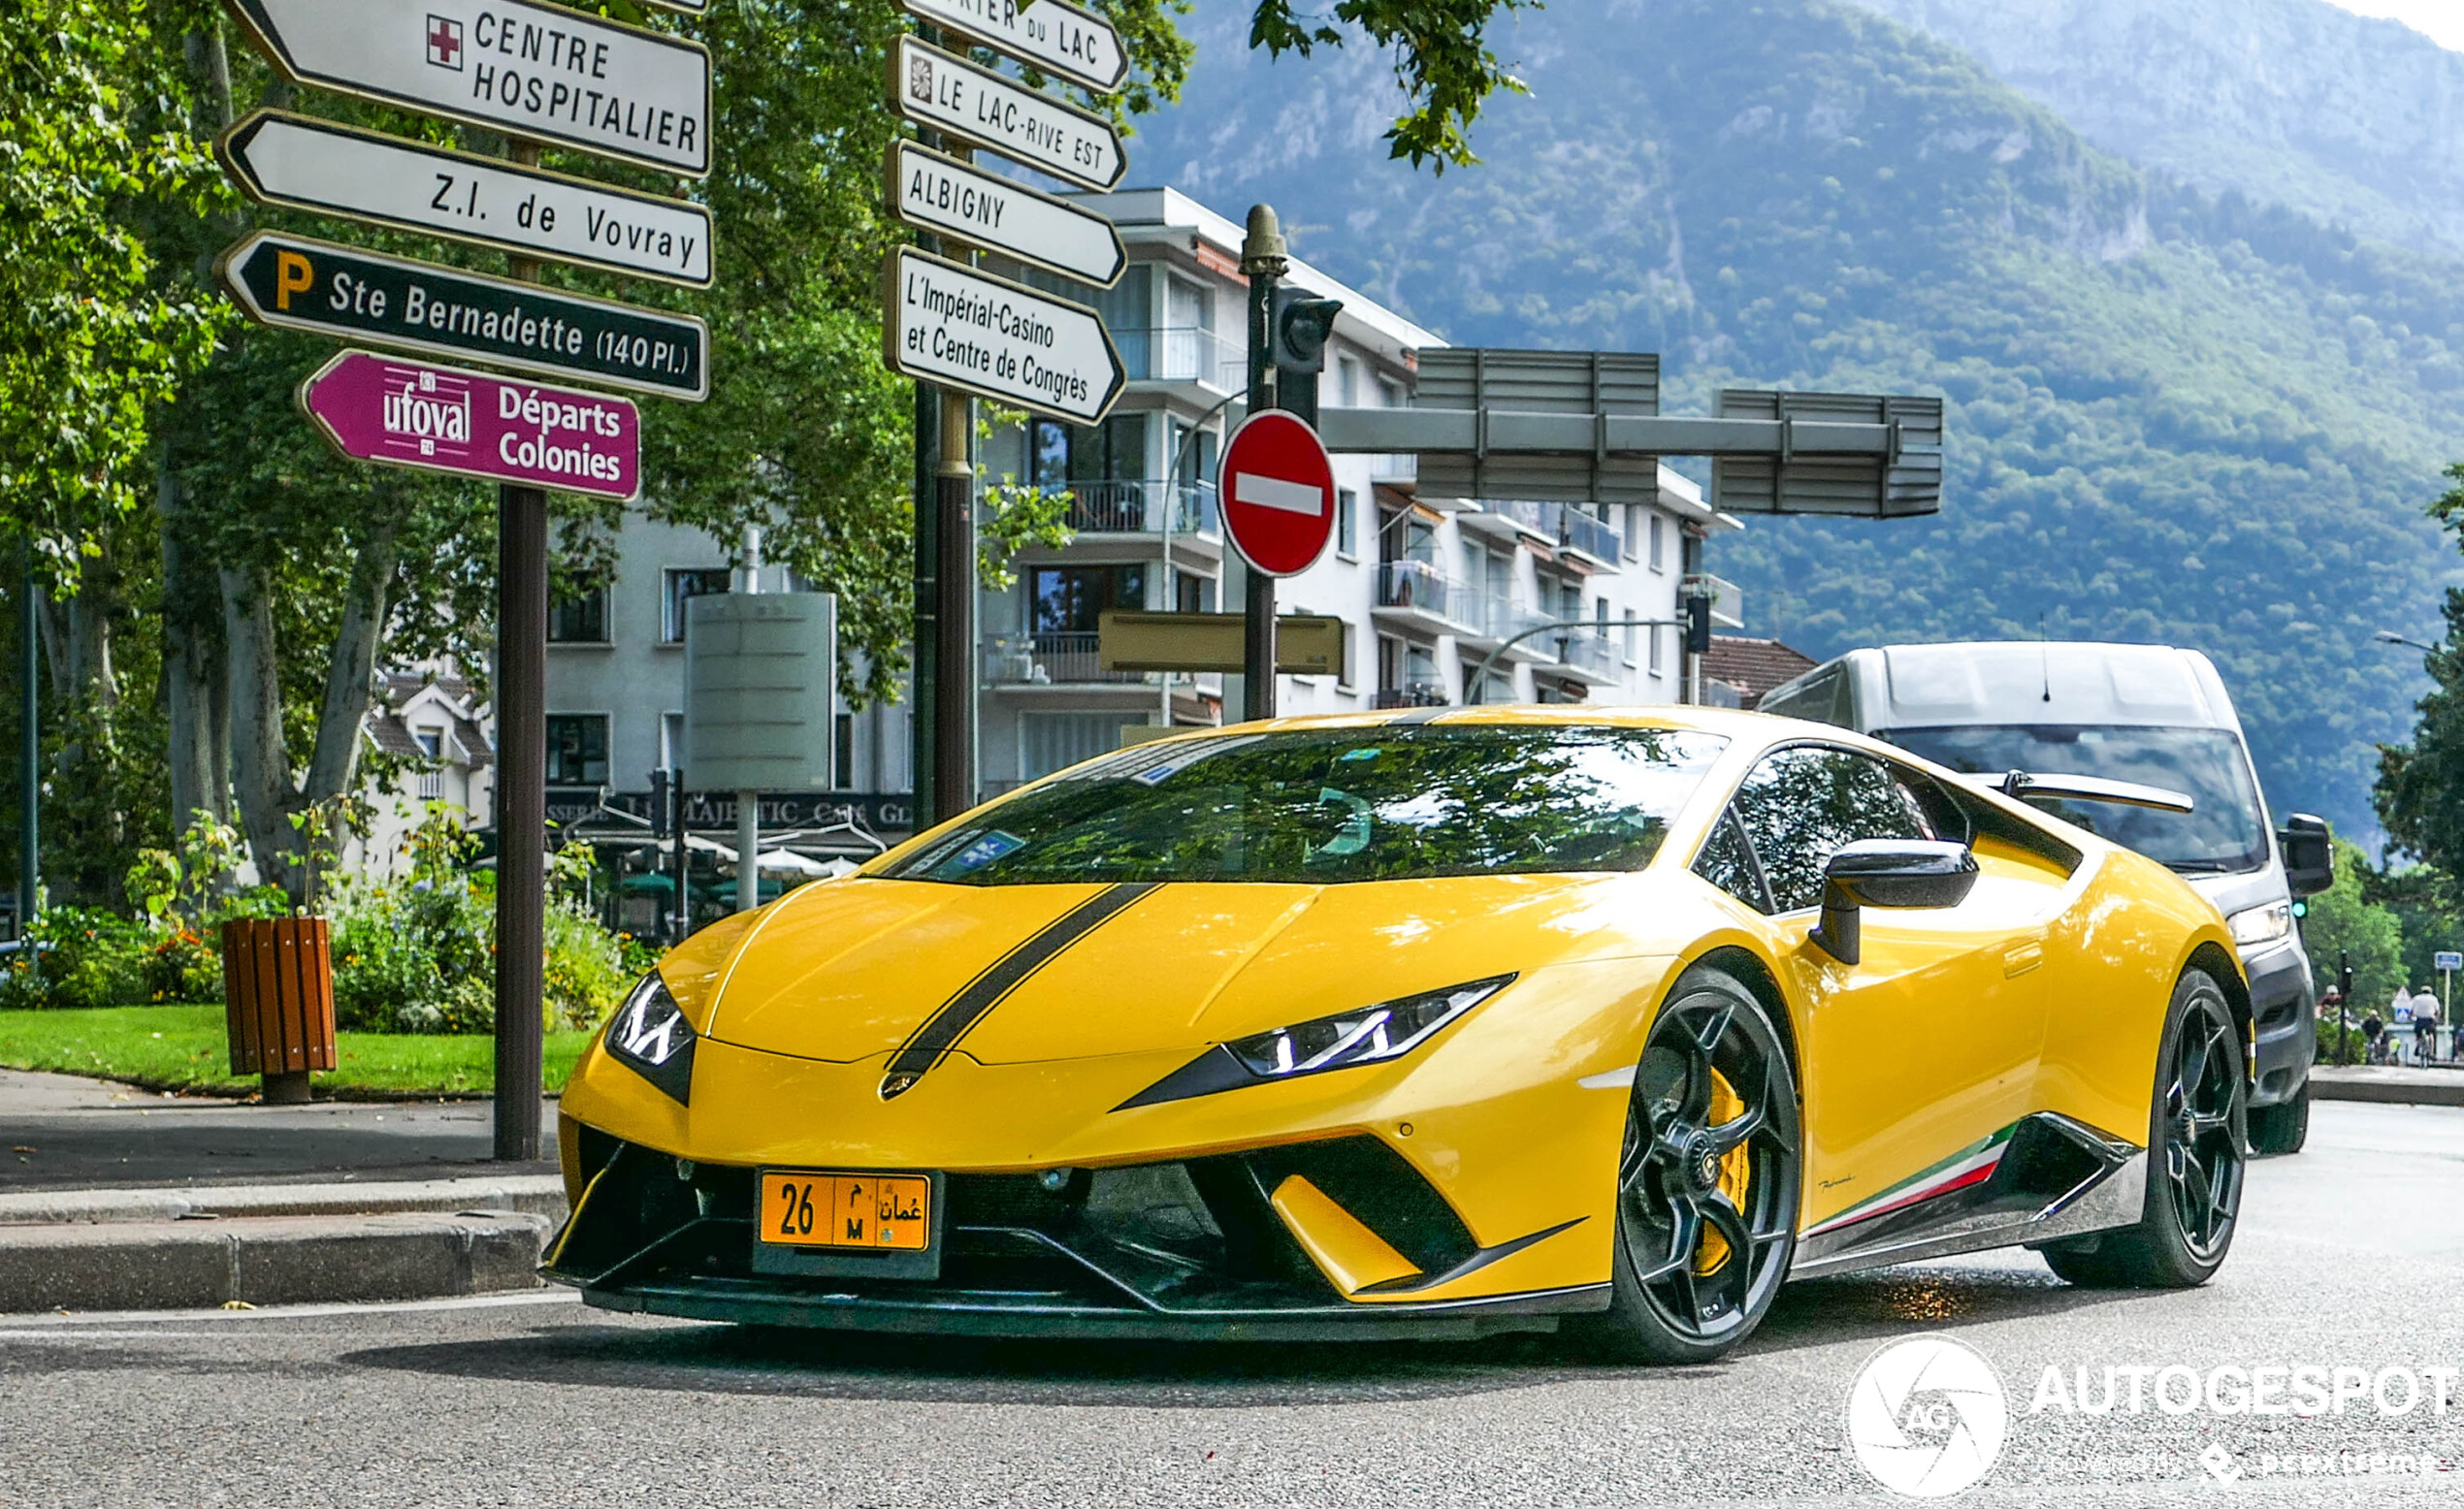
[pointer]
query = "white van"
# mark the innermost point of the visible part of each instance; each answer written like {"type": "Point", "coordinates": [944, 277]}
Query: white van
{"type": "Point", "coordinates": [2146, 714]}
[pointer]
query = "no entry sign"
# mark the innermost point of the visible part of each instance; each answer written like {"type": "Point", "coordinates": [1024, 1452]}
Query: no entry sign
{"type": "Point", "coordinates": [1277, 491]}
{"type": "Point", "coordinates": [442, 419]}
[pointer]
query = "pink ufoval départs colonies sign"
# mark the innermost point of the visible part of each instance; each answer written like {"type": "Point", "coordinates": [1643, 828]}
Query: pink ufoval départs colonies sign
{"type": "Point", "coordinates": [472, 425]}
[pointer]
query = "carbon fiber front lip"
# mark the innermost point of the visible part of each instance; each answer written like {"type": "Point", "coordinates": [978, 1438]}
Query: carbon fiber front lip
{"type": "Point", "coordinates": [994, 1314]}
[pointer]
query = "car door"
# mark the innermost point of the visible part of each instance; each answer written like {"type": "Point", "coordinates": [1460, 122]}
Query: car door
{"type": "Point", "coordinates": [1928, 1046]}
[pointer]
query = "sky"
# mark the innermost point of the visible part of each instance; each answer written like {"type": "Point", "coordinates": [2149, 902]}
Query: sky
{"type": "Point", "coordinates": [2441, 21]}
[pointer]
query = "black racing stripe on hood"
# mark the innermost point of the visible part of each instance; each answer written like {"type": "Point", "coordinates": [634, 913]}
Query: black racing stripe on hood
{"type": "Point", "coordinates": [932, 1042]}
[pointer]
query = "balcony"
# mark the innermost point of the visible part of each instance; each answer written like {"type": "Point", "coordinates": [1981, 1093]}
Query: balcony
{"type": "Point", "coordinates": [1500, 620]}
{"type": "Point", "coordinates": [1141, 507]}
{"type": "Point", "coordinates": [1562, 525]}
{"type": "Point", "coordinates": [1590, 655]}
{"type": "Point", "coordinates": [1411, 693]}
{"type": "Point", "coordinates": [1586, 536]}
{"type": "Point", "coordinates": [1183, 353]}
{"type": "Point", "coordinates": [1418, 593]}
{"type": "Point", "coordinates": [1062, 659]}
{"type": "Point", "coordinates": [1727, 599]}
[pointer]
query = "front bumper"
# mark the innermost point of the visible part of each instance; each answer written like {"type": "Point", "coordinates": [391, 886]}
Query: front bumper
{"type": "Point", "coordinates": [2284, 1017]}
{"type": "Point", "coordinates": [1194, 1249]}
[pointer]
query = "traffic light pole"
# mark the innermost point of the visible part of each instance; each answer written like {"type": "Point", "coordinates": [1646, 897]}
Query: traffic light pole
{"type": "Point", "coordinates": [1263, 263]}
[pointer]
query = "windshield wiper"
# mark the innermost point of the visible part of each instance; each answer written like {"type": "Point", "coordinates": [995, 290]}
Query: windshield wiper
{"type": "Point", "coordinates": [2085, 788]}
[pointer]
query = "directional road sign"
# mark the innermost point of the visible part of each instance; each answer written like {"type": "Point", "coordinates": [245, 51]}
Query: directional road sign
{"type": "Point", "coordinates": [315, 165]}
{"type": "Point", "coordinates": [999, 215]}
{"type": "Point", "coordinates": [951, 94]}
{"type": "Point", "coordinates": [1053, 37]}
{"type": "Point", "coordinates": [2444, 960]}
{"type": "Point", "coordinates": [538, 71]}
{"type": "Point", "coordinates": [967, 329]}
{"type": "Point", "coordinates": [444, 419]}
{"type": "Point", "coordinates": [1305, 645]}
{"type": "Point", "coordinates": [297, 283]}
{"type": "Point", "coordinates": [1278, 492]}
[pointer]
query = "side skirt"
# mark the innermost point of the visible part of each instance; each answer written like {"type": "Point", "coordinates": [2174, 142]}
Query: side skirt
{"type": "Point", "coordinates": [2057, 1179]}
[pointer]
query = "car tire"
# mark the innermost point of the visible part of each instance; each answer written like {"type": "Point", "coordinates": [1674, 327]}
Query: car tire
{"type": "Point", "coordinates": [1710, 1164]}
{"type": "Point", "coordinates": [2279, 1129]}
{"type": "Point", "coordinates": [2196, 1129]}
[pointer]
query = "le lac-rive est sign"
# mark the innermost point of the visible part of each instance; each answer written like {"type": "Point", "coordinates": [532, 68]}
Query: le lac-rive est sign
{"type": "Point", "coordinates": [404, 413]}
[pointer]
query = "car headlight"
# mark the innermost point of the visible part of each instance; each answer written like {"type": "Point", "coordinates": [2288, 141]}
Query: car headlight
{"type": "Point", "coordinates": [2261, 924]}
{"type": "Point", "coordinates": [650, 1036]}
{"type": "Point", "coordinates": [1363, 1035]}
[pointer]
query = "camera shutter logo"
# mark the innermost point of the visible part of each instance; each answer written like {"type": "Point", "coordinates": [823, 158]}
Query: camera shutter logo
{"type": "Point", "coordinates": [1926, 1417]}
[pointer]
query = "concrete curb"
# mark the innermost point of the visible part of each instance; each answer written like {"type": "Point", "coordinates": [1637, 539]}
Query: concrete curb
{"type": "Point", "coordinates": [541, 1195]}
{"type": "Point", "coordinates": [2388, 1086]}
{"type": "Point", "coordinates": [269, 1260]}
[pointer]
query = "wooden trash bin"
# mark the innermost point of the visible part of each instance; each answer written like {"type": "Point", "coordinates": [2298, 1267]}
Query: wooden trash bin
{"type": "Point", "coordinates": [278, 995]}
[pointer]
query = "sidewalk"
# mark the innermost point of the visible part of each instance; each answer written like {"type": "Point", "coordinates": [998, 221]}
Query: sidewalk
{"type": "Point", "coordinates": [113, 1198]}
{"type": "Point", "coordinates": [2387, 1083]}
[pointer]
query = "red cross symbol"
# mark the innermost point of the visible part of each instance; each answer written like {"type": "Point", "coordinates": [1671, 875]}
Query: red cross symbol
{"type": "Point", "coordinates": [444, 42]}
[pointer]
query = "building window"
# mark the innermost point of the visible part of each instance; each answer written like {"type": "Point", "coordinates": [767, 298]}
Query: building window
{"type": "Point", "coordinates": [579, 621]}
{"type": "Point", "coordinates": [683, 585]}
{"type": "Point", "coordinates": [578, 748]}
{"type": "Point", "coordinates": [1347, 382]}
{"type": "Point", "coordinates": [1651, 636]}
{"type": "Point", "coordinates": [1659, 557]}
{"type": "Point", "coordinates": [1070, 599]}
{"type": "Point", "coordinates": [1192, 594]}
{"type": "Point", "coordinates": [671, 740]}
{"type": "Point", "coordinates": [1054, 741]}
{"type": "Point", "coordinates": [1632, 537]}
{"type": "Point", "coordinates": [843, 756]}
{"type": "Point", "coordinates": [1347, 524]}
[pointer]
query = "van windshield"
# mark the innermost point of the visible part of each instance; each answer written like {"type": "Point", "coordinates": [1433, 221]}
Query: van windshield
{"type": "Point", "coordinates": [2223, 832]}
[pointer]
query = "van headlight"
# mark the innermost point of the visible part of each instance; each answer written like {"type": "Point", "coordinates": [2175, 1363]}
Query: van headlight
{"type": "Point", "coordinates": [2259, 926]}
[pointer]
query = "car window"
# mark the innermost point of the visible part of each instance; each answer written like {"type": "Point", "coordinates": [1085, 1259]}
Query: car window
{"type": "Point", "coordinates": [1728, 862]}
{"type": "Point", "coordinates": [1799, 805]}
{"type": "Point", "coordinates": [1330, 805]}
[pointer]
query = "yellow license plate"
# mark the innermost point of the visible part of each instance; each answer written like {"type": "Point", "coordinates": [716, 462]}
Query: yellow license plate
{"type": "Point", "coordinates": [879, 1213]}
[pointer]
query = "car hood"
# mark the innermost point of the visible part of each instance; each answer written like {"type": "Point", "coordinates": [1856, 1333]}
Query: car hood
{"type": "Point", "coordinates": [853, 969]}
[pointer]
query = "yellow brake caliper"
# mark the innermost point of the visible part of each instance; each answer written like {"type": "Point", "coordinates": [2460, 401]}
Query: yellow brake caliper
{"type": "Point", "coordinates": [1736, 1166]}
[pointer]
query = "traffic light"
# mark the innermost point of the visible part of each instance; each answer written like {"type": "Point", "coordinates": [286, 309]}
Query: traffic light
{"type": "Point", "coordinates": [1300, 326]}
{"type": "Point", "coordinates": [1698, 625]}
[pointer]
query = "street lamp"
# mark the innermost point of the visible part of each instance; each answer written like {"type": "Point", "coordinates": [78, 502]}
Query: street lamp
{"type": "Point", "coordinates": [2385, 638]}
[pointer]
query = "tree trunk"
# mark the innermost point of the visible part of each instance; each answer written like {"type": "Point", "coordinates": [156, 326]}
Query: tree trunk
{"type": "Point", "coordinates": [260, 764]}
{"type": "Point", "coordinates": [350, 674]}
{"type": "Point", "coordinates": [192, 673]}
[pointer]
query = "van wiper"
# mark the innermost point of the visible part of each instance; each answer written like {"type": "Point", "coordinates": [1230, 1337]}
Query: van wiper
{"type": "Point", "coordinates": [2085, 788]}
{"type": "Point", "coordinates": [2202, 866]}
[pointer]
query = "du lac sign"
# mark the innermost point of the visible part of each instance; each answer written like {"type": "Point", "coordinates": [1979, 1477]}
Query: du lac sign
{"type": "Point", "coordinates": [404, 413]}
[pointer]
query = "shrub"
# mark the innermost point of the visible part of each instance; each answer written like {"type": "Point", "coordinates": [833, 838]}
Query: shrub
{"type": "Point", "coordinates": [83, 959]}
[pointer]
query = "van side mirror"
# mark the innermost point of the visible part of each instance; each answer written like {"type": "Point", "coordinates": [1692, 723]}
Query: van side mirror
{"type": "Point", "coordinates": [1887, 872]}
{"type": "Point", "coordinates": [2308, 851]}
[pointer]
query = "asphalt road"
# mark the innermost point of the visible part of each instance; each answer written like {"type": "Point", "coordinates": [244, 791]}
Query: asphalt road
{"type": "Point", "coordinates": [2351, 1255]}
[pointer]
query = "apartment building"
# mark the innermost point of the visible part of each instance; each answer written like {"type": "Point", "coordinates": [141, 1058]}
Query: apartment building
{"type": "Point", "coordinates": [1446, 600]}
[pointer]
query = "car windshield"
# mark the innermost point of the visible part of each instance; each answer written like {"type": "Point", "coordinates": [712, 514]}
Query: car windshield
{"type": "Point", "coordinates": [2222, 833]}
{"type": "Point", "coordinates": [1330, 805]}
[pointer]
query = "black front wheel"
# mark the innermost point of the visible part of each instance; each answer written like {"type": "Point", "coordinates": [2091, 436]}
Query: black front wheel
{"type": "Point", "coordinates": [1707, 1178]}
{"type": "Point", "coordinates": [2197, 1131]}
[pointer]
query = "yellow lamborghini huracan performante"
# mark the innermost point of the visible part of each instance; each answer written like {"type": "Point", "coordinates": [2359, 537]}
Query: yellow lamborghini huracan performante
{"type": "Point", "coordinates": [1438, 1023]}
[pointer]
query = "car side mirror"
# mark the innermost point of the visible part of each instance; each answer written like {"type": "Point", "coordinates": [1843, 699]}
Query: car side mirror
{"type": "Point", "coordinates": [1887, 872]}
{"type": "Point", "coordinates": [2309, 853]}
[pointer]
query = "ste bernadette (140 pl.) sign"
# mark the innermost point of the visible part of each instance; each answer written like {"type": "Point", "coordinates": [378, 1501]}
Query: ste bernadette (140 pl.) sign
{"type": "Point", "coordinates": [297, 283]}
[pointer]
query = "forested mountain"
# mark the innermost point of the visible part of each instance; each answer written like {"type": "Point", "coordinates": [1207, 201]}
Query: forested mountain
{"type": "Point", "coordinates": [2300, 103]}
{"type": "Point", "coordinates": [2174, 418]}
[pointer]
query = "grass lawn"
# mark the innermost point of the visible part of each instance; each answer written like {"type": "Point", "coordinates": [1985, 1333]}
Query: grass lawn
{"type": "Point", "coordinates": [184, 1048]}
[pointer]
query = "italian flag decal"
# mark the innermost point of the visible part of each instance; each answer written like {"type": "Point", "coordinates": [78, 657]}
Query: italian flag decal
{"type": "Point", "coordinates": [1971, 1164]}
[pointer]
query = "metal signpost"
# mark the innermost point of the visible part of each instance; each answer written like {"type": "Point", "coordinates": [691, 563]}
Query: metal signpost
{"type": "Point", "coordinates": [2446, 962]}
{"type": "Point", "coordinates": [950, 324]}
{"type": "Point", "coordinates": [962, 201]}
{"type": "Point", "coordinates": [536, 73]}
{"type": "Point", "coordinates": [464, 424]}
{"type": "Point", "coordinates": [964, 334]}
{"type": "Point", "coordinates": [296, 283]}
{"type": "Point", "coordinates": [543, 73]}
{"type": "Point", "coordinates": [300, 163]}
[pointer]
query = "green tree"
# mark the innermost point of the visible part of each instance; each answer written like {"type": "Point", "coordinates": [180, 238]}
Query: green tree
{"type": "Point", "coordinates": [2345, 923]}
